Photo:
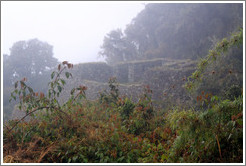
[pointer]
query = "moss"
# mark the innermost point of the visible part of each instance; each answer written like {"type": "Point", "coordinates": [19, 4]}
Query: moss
{"type": "Point", "coordinates": [181, 65]}
{"type": "Point", "coordinates": [142, 61]}
{"type": "Point", "coordinates": [106, 84]}
{"type": "Point", "coordinates": [91, 63]}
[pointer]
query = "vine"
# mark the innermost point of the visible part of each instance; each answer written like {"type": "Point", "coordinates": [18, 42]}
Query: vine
{"type": "Point", "coordinates": [236, 39]}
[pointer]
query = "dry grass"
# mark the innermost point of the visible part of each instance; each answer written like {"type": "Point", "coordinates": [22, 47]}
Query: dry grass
{"type": "Point", "coordinates": [30, 152]}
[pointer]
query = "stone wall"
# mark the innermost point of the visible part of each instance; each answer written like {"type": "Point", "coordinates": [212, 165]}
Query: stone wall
{"type": "Point", "coordinates": [168, 82]}
{"type": "Point", "coordinates": [95, 71]}
{"type": "Point", "coordinates": [124, 72]}
{"type": "Point", "coordinates": [165, 77]}
{"type": "Point", "coordinates": [134, 71]}
{"type": "Point", "coordinates": [121, 72]}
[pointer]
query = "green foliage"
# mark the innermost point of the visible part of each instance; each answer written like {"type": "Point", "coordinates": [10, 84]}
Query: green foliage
{"type": "Point", "coordinates": [112, 96]}
{"type": "Point", "coordinates": [120, 130]}
{"type": "Point", "coordinates": [236, 39]}
{"type": "Point", "coordinates": [126, 108]}
{"type": "Point", "coordinates": [210, 135]}
{"type": "Point", "coordinates": [136, 117]}
{"type": "Point", "coordinates": [31, 101]}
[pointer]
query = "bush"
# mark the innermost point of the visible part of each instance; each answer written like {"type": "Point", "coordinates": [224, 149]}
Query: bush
{"type": "Point", "coordinates": [116, 129]}
{"type": "Point", "coordinates": [208, 136]}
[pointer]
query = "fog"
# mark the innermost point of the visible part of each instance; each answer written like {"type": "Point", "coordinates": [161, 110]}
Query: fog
{"type": "Point", "coordinates": [74, 29]}
{"type": "Point", "coordinates": [170, 89]}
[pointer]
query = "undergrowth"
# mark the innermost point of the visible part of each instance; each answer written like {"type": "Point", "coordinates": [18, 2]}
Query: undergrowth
{"type": "Point", "coordinates": [115, 129]}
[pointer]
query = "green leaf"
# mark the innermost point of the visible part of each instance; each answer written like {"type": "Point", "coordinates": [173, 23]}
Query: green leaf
{"type": "Point", "coordinates": [67, 74]}
{"type": "Point", "coordinates": [121, 158]}
{"type": "Point", "coordinates": [75, 158]}
{"type": "Point", "coordinates": [55, 101]}
{"type": "Point", "coordinates": [214, 98]}
{"type": "Point", "coordinates": [52, 84]}
{"type": "Point", "coordinates": [229, 137]}
{"type": "Point", "coordinates": [54, 92]}
{"type": "Point", "coordinates": [16, 84]}
{"type": "Point", "coordinates": [59, 88]}
{"type": "Point", "coordinates": [24, 93]}
{"type": "Point", "coordinates": [63, 81]}
{"type": "Point", "coordinates": [240, 122]}
{"type": "Point", "coordinates": [12, 96]}
{"type": "Point", "coordinates": [30, 89]}
{"type": "Point", "coordinates": [52, 74]}
{"type": "Point", "coordinates": [72, 91]}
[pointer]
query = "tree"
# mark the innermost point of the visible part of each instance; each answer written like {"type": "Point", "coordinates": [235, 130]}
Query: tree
{"type": "Point", "coordinates": [30, 58]}
{"type": "Point", "coordinates": [116, 47]}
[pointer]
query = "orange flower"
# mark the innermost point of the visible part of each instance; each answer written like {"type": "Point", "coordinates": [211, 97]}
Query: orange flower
{"type": "Point", "coordinates": [24, 79]}
{"type": "Point", "coordinates": [83, 88]}
{"type": "Point", "coordinates": [41, 95]}
{"type": "Point", "coordinates": [199, 98]}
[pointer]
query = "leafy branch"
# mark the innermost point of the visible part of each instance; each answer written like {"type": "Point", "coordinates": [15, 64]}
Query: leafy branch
{"type": "Point", "coordinates": [31, 101]}
{"type": "Point", "coordinates": [236, 39]}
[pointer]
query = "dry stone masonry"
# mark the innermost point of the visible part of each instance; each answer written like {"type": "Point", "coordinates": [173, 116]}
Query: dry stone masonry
{"type": "Point", "coordinates": [164, 76]}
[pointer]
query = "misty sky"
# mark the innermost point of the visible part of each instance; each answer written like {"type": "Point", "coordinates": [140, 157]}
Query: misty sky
{"type": "Point", "coordinates": [75, 29]}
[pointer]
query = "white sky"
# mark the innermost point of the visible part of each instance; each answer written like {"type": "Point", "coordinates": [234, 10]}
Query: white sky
{"type": "Point", "coordinates": [75, 29]}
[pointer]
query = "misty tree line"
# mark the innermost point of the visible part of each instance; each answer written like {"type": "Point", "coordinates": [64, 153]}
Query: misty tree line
{"type": "Point", "coordinates": [172, 31]}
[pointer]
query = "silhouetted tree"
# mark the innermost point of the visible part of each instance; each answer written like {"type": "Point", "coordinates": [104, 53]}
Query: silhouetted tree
{"type": "Point", "coordinates": [116, 47]}
{"type": "Point", "coordinates": [30, 58]}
